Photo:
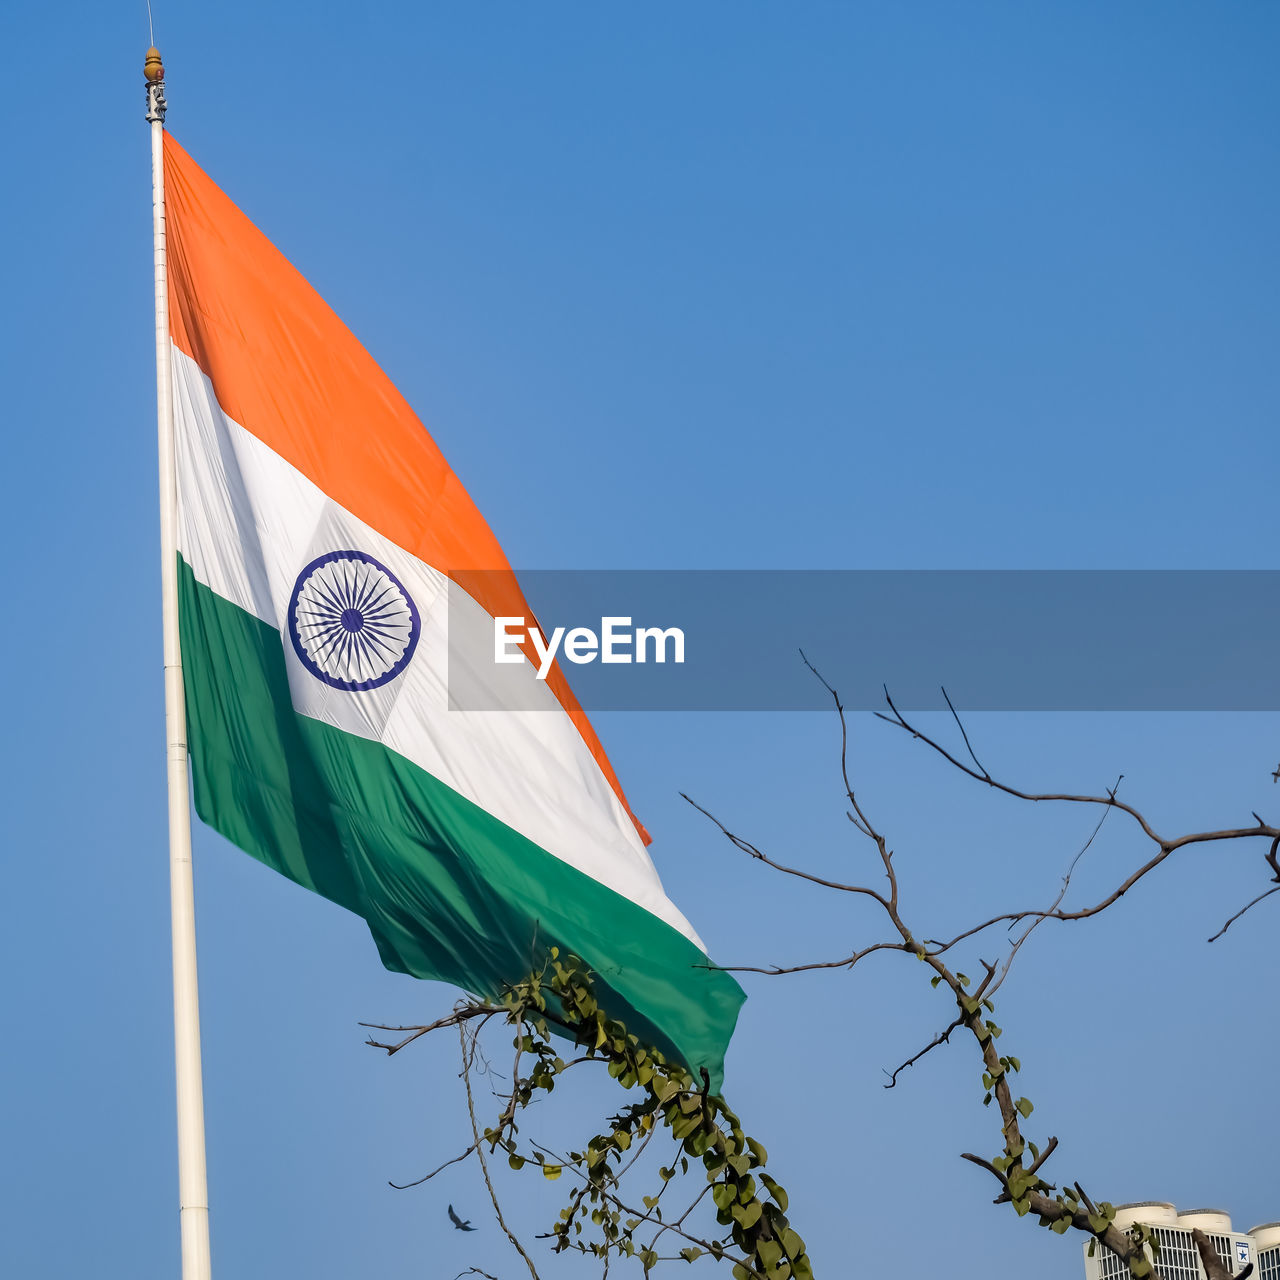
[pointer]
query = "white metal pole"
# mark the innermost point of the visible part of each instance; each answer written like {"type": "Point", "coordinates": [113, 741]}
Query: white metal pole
{"type": "Point", "coordinates": [192, 1185]}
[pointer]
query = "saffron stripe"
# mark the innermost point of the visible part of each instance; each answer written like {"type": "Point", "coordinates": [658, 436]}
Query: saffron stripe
{"type": "Point", "coordinates": [288, 370]}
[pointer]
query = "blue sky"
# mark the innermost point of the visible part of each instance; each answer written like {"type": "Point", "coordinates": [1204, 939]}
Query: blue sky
{"type": "Point", "coordinates": [728, 285]}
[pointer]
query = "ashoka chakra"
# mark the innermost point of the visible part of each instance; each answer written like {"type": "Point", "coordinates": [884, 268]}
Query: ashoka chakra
{"type": "Point", "coordinates": [352, 623]}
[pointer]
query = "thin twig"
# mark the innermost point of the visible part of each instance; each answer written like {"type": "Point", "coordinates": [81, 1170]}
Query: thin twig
{"type": "Point", "coordinates": [747, 847]}
{"type": "Point", "coordinates": [861, 821]}
{"type": "Point", "coordinates": [964, 734]}
{"type": "Point", "coordinates": [1238, 914]}
{"type": "Point", "coordinates": [942, 1037]}
{"type": "Point", "coordinates": [1057, 902]}
{"type": "Point", "coordinates": [484, 1166]}
{"type": "Point", "coordinates": [404, 1186]}
{"type": "Point", "coordinates": [677, 1223]}
{"type": "Point", "coordinates": [456, 1018]}
{"type": "Point", "coordinates": [774, 970]}
{"type": "Point", "coordinates": [1110, 800]}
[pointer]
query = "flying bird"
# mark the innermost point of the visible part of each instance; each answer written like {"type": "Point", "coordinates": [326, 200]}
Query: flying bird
{"type": "Point", "coordinates": [458, 1222]}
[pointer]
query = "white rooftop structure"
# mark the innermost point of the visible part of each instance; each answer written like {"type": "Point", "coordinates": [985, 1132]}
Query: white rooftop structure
{"type": "Point", "coordinates": [1179, 1259]}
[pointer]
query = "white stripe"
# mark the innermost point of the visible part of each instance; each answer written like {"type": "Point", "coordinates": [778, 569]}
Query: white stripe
{"type": "Point", "coordinates": [248, 522]}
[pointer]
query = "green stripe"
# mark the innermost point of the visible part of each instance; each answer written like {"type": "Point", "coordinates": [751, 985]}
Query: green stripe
{"type": "Point", "coordinates": [448, 891]}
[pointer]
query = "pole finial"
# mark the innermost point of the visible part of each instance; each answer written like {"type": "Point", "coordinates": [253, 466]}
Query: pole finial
{"type": "Point", "coordinates": [153, 72]}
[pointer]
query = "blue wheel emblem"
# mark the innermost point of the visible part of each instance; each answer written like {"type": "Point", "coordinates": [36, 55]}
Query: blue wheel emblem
{"type": "Point", "coordinates": [352, 623]}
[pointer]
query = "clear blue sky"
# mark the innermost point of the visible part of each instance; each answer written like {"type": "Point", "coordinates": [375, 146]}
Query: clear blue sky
{"type": "Point", "coordinates": [728, 284]}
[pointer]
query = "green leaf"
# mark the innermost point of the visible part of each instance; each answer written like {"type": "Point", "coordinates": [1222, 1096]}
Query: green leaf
{"type": "Point", "coordinates": [551, 1171]}
{"type": "Point", "coordinates": [516, 1162]}
{"type": "Point", "coordinates": [1025, 1107]}
{"type": "Point", "coordinates": [769, 1252]}
{"type": "Point", "coordinates": [775, 1191]}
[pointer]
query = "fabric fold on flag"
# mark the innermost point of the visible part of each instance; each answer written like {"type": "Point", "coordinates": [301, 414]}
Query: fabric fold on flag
{"type": "Point", "coordinates": [325, 549]}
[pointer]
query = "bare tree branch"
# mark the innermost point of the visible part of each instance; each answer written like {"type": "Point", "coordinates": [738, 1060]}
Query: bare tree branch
{"type": "Point", "coordinates": [747, 847]}
{"type": "Point", "coordinates": [1062, 1207]}
{"type": "Point", "coordinates": [1109, 800]}
{"type": "Point", "coordinates": [858, 817]}
{"type": "Point", "coordinates": [1062, 893]}
{"type": "Point", "coordinates": [463, 1013]}
{"type": "Point", "coordinates": [1019, 1181]}
{"type": "Point", "coordinates": [941, 1038]}
{"type": "Point", "coordinates": [1050, 1147]}
{"type": "Point", "coordinates": [1274, 889]}
{"type": "Point", "coordinates": [775, 970]}
{"type": "Point", "coordinates": [404, 1186]}
{"type": "Point", "coordinates": [963, 733]}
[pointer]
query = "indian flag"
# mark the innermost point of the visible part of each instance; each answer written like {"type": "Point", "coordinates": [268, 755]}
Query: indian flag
{"type": "Point", "coordinates": [325, 550]}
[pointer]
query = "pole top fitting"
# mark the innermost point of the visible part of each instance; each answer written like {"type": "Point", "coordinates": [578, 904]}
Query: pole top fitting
{"type": "Point", "coordinates": [153, 71]}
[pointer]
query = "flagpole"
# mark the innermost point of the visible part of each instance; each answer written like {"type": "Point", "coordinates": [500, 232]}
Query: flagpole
{"type": "Point", "coordinates": [193, 1196]}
